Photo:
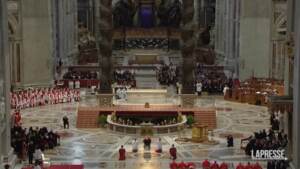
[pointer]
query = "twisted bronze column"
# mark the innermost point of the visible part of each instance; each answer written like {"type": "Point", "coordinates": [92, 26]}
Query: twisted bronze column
{"type": "Point", "coordinates": [105, 33]}
{"type": "Point", "coordinates": [187, 47]}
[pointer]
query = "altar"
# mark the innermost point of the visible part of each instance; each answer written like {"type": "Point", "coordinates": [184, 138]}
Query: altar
{"type": "Point", "coordinates": [145, 58]}
{"type": "Point", "coordinates": [145, 105]}
{"type": "Point", "coordinates": [150, 96]}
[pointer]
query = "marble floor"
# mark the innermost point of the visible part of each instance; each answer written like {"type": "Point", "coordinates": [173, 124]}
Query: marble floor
{"type": "Point", "coordinates": [98, 148]}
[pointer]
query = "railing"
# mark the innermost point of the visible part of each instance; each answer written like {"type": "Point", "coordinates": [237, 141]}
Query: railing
{"type": "Point", "coordinates": [130, 129]}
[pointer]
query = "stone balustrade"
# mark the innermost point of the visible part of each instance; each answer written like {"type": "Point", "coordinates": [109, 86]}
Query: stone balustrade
{"type": "Point", "coordinates": [130, 129]}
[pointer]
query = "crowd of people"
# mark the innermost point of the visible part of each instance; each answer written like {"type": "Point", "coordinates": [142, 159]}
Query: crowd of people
{"type": "Point", "coordinates": [30, 143]}
{"type": "Point", "coordinates": [206, 164]}
{"type": "Point", "coordinates": [168, 74]}
{"type": "Point", "coordinates": [125, 77]}
{"type": "Point", "coordinates": [266, 141]}
{"type": "Point", "coordinates": [182, 165]}
{"type": "Point", "coordinates": [72, 75]}
{"type": "Point", "coordinates": [274, 139]}
{"type": "Point", "coordinates": [210, 79]}
{"type": "Point", "coordinates": [41, 96]}
{"type": "Point", "coordinates": [278, 164]}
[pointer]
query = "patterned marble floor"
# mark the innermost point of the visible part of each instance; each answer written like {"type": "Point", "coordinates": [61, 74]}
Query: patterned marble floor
{"type": "Point", "coordinates": [98, 148]}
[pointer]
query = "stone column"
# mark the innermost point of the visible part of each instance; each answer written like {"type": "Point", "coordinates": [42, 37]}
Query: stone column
{"type": "Point", "coordinates": [197, 11]}
{"type": "Point", "coordinates": [5, 149]}
{"type": "Point", "coordinates": [296, 89]}
{"type": "Point", "coordinates": [288, 72]}
{"type": "Point", "coordinates": [187, 47]}
{"type": "Point", "coordinates": [105, 31]}
{"type": "Point", "coordinates": [38, 43]}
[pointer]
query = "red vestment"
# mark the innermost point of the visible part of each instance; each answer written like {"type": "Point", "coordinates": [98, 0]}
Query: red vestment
{"type": "Point", "coordinates": [173, 153]}
{"type": "Point", "coordinates": [191, 164]}
{"type": "Point", "coordinates": [205, 164]}
{"type": "Point", "coordinates": [257, 166]}
{"type": "Point", "coordinates": [214, 166]}
{"type": "Point", "coordinates": [122, 153]}
{"type": "Point", "coordinates": [224, 166]}
{"type": "Point", "coordinates": [182, 165]}
{"type": "Point", "coordinates": [248, 166]}
{"type": "Point", "coordinates": [240, 166]}
{"type": "Point", "coordinates": [173, 165]}
{"type": "Point", "coordinates": [17, 118]}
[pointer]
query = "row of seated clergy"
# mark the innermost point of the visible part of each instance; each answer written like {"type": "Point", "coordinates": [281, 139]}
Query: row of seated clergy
{"type": "Point", "coordinates": [41, 96]}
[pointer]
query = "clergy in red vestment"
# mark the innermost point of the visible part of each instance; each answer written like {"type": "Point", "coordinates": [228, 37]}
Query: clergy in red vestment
{"type": "Point", "coordinates": [17, 118]}
{"type": "Point", "coordinates": [191, 165]}
{"type": "Point", "coordinates": [122, 153]}
{"type": "Point", "coordinates": [224, 166]}
{"type": "Point", "coordinates": [206, 164]}
{"type": "Point", "coordinates": [248, 166]}
{"type": "Point", "coordinates": [173, 152]}
{"type": "Point", "coordinates": [240, 166]}
{"type": "Point", "coordinates": [257, 166]}
{"type": "Point", "coordinates": [173, 165]}
{"type": "Point", "coordinates": [215, 165]}
{"type": "Point", "coordinates": [182, 165]}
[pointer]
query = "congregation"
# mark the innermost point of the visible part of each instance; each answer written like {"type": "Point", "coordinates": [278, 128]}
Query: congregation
{"type": "Point", "coordinates": [72, 75]}
{"type": "Point", "coordinates": [125, 77]}
{"type": "Point", "coordinates": [264, 141]}
{"type": "Point", "coordinates": [279, 164]}
{"type": "Point", "coordinates": [167, 74]}
{"type": "Point", "coordinates": [30, 143]}
{"type": "Point", "coordinates": [41, 96]}
{"type": "Point", "coordinates": [211, 79]}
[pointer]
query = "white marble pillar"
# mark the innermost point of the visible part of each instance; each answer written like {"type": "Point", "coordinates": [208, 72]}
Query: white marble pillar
{"type": "Point", "coordinates": [296, 90]}
{"type": "Point", "coordinates": [5, 149]}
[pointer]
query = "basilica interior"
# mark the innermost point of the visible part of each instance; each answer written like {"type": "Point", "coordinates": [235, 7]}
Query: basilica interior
{"type": "Point", "coordinates": [149, 84]}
